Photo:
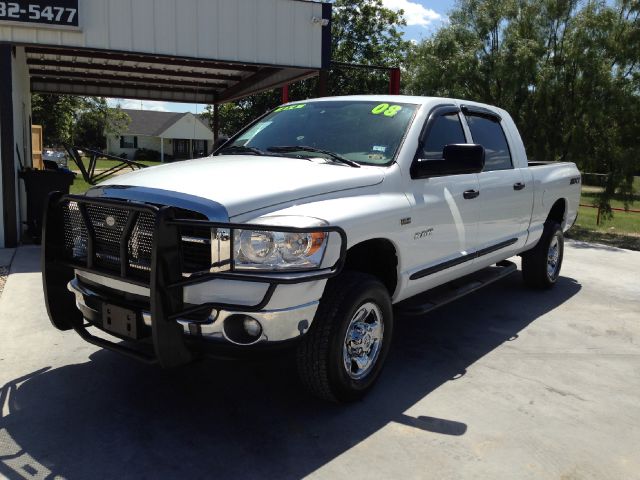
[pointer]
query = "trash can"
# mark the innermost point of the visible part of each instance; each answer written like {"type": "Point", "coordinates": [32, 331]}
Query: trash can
{"type": "Point", "coordinates": [38, 185]}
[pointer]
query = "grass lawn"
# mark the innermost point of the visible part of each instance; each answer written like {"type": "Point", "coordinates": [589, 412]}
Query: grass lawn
{"type": "Point", "coordinates": [622, 222]}
{"type": "Point", "coordinates": [104, 164]}
{"type": "Point", "coordinates": [623, 230]}
{"type": "Point", "coordinates": [80, 186]}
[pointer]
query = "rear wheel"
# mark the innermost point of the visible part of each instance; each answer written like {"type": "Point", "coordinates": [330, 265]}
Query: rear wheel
{"type": "Point", "coordinates": [342, 355]}
{"type": "Point", "coordinates": [541, 265]}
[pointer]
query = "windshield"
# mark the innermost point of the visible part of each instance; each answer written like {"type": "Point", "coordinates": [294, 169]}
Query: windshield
{"type": "Point", "coordinates": [367, 132]}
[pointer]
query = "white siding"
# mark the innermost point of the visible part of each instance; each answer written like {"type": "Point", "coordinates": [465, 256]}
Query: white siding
{"type": "Point", "coordinates": [189, 127]}
{"type": "Point", "coordinates": [151, 143]}
{"type": "Point", "coordinates": [274, 32]}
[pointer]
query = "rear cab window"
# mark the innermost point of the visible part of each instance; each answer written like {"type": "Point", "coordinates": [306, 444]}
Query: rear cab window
{"type": "Point", "coordinates": [488, 132]}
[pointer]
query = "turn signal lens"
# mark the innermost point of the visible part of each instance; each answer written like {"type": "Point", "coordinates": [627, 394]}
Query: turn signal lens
{"type": "Point", "coordinates": [317, 241]}
{"type": "Point", "coordinates": [296, 245]}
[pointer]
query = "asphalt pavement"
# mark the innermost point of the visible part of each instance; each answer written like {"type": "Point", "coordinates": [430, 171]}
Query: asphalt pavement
{"type": "Point", "coordinates": [507, 383]}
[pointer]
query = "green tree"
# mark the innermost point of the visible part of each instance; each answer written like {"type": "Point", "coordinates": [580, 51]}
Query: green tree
{"type": "Point", "coordinates": [363, 32]}
{"type": "Point", "coordinates": [77, 120]}
{"type": "Point", "coordinates": [95, 120]}
{"type": "Point", "coordinates": [235, 115]}
{"type": "Point", "coordinates": [568, 72]}
{"type": "Point", "coordinates": [56, 115]}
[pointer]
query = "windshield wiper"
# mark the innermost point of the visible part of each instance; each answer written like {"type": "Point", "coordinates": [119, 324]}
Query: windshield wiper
{"type": "Point", "coordinates": [304, 148]}
{"type": "Point", "coordinates": [233, 149]}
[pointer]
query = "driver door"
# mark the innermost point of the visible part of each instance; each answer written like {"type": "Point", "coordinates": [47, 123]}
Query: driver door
{"type": "Point", "coordinates": [445, 208]}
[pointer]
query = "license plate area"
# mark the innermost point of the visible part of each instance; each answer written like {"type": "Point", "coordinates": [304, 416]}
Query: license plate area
{"type": "Point", "coordinates": [120, 321]}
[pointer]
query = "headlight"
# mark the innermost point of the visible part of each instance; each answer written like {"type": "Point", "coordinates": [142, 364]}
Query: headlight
{"type": "Point", "coordinates": [276, 250]}
{"type": "Point", "coordinates": [256, 246]}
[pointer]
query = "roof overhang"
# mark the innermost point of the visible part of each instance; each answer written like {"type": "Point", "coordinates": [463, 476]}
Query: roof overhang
{"type": "Point", "coordinates": [174, 50]}
{"type": "Point", "coordinates": [108, 73]}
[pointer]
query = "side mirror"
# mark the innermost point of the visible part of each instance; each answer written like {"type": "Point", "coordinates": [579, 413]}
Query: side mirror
{"type": "Point", "coordinates": [457, 159]}
{"type": "Point", "coordinates": [463, 158]}
{"type": "Point", "coordinates": [219, 143]}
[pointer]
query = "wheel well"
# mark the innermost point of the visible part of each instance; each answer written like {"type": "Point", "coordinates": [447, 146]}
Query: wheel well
{"type": "Point", "coordinates": [558, 210]}
{"type": "Point", "coordinates": [377, 257]}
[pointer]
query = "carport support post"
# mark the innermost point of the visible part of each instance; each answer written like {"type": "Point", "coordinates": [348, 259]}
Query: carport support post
{"type": "Point", "coordinates": [216, 122]}
{"type": "Point", "coordinates": [394, 81]}
{"type": "Point", "coordinates": [8, 167]}
{"type": "Point", "coordinates": [162, 149]}
{"type": "Point", "coordinates": [323, 83]}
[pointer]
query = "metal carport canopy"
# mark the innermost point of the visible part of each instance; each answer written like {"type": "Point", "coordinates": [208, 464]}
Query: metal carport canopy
{"type": "Point", "coordinates": [194, 51]}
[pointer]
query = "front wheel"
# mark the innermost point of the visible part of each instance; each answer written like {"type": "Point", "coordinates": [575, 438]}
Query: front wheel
{"type": "Point", "coordinates": [342, 355]}
{"type": "Point", "coordinates": [541, 265]}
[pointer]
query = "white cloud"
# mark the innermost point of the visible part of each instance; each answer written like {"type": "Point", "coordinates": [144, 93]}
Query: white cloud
{"type": "Point", "coordinates": [414, 12]}
{"type": "Point", "coordinates": [135, 104]}
{"type": "Point", "coordinates": [157, 106]}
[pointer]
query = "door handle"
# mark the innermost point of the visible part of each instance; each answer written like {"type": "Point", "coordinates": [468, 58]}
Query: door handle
{"type": "Point", "coordinates": [518, 186]}
{"type": "Point", "coordinates": [469, 194]}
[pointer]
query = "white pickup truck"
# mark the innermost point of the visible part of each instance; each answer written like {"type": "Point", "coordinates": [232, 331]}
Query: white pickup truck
{"type": "Point", "coordinates": [309, 228]}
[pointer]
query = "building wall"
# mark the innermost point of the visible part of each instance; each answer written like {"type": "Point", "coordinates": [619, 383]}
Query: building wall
{"type": "Point", "coordinates": [275, 32]}
{"type": "Point", "coordinates": [189, 127]}
{"type": "Point", "coordinates": [113, 145]}
{"type": "Point", "coordinates": [152, 143]}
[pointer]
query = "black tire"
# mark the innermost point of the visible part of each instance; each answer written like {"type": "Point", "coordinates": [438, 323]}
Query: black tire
{"type": "Point", "coordinates": [537, 269]}
{"type": "Point", "coordinates": [321, 366]}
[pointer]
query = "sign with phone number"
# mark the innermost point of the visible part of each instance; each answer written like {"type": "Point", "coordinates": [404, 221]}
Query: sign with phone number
{"type": "Point", "coordinates": [63, 13]}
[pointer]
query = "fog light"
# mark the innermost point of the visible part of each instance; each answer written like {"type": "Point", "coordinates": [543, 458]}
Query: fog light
{"type": "Point", "coordinates": [251, 326]}
{"type": "Point", "coordinates": [242, 329]}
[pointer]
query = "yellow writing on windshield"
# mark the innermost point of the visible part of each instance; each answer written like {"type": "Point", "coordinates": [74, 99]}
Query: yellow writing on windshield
{"type": "Point", "coordinates": [386, 110]}
{"type": "Point", "coordinates": [290, 107]}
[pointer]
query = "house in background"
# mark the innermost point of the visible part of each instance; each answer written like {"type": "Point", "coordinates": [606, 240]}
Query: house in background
{"type": "Point", "coordinates": [174, 135]}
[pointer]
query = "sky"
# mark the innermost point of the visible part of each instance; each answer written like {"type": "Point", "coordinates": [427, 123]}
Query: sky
{"type": "Point", "coordinates": [423, 18]}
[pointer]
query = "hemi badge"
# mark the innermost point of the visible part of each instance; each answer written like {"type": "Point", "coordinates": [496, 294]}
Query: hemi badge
{"type": "Point", "coordinates": [405, 221]}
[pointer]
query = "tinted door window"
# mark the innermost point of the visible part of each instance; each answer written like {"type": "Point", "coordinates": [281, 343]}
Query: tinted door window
{"type": "Point", "coordinates": [488, 133]}
{"type": "Point", "coordinates": [446, 130]}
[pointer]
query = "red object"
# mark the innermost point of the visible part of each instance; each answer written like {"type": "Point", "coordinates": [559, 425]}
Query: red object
{"type": "Point", "coordinates": [614, 209]}
{"type": "Point", "coordinates": [394, 81]}
{"type": "Point", "coordinates": [285, 94]}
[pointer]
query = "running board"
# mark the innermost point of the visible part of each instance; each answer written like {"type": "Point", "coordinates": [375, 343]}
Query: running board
{"type": "Point", "coordinates": [439, 296]}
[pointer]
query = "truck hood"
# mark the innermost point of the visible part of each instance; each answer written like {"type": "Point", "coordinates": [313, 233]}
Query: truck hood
{"type": "Point", "coordinates": [243, 183]}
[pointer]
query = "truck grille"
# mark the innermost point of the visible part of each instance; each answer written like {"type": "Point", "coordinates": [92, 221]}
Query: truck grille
{"type": "Point", "coordinates": [109, 224]}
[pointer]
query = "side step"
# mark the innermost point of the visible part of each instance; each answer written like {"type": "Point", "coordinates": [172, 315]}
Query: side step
{"type": "Point", "coordinates": [432, 299]}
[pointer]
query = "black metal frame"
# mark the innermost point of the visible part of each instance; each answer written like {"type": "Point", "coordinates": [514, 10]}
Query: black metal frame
{"type": "Point", "coordinates": [166, 281]}
{"type": "Point", "coordinates": [7, 141]}
{"type": "Point", "coordinates": [89, 174]}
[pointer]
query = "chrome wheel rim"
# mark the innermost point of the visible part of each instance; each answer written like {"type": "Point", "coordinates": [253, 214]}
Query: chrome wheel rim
{"type": "Point", "coordinates": [553, 257]}
{"type": "Point", "coordinates": [363, 341]}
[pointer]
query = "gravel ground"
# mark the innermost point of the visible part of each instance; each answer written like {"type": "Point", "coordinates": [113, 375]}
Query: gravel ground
{"type": "Point", "coordinates": [4, 273]}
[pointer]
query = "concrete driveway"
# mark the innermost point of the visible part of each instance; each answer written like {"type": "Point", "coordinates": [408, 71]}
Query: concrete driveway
{"type": "Point", "coordinates": [506, 383]}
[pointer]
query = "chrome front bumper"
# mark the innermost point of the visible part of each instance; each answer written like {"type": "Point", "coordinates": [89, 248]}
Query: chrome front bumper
{"type": "Point", "coordinates": [276, 325]}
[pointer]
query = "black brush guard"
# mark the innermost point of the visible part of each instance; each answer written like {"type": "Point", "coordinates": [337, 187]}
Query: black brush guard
{"type": "Point", "coordinates": [166, 282]}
